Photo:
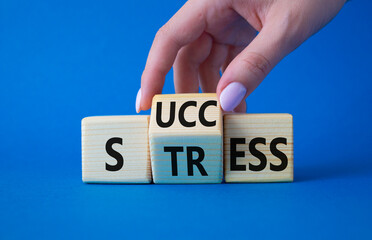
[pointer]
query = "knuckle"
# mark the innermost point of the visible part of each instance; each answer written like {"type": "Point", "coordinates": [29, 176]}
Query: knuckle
{"type": "Point", "coordinates": [161, 33]}
{"type": "Point", "coordinates": [257, 64]}
{"type": "Point", "coordinates": [166, 35]}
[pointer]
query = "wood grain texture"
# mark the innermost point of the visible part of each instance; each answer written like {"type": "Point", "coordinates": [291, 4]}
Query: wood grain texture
{"type": "Point", "coordinates": [133, 130]}
{"type": "Point", "coordinates": [251, 126]}
{"type": "Point", "coordinates": [209, 138]}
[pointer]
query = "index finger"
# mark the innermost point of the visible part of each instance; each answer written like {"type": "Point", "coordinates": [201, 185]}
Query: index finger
{"type": "Point", "coordinates": [184, 27]}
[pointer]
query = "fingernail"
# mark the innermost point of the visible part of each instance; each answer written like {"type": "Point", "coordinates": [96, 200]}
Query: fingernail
{"type": "Point", "coordinates": [232, 95]}
{"type": "Point", "coordinates": [138, 101]}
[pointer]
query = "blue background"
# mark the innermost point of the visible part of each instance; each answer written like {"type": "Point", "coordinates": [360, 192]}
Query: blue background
{"type": "Point", "coordinates": [61, 61]}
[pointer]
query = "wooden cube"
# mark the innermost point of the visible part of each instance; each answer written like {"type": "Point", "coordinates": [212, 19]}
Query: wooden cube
{"type": "Point", "coordinates": [115, 149]}
{"type": "Point", "coordinates": [186, 138]}
{"type": "Point", "coordinates": [258, 147]}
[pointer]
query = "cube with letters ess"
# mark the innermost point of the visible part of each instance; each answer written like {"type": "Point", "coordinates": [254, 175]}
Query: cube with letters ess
{"type": "Point", "coordinates": [115, 149]}
{"type": "Point", "coordinates": [185, 137]}
{"type": "Point", "coordinates": [258, 147]}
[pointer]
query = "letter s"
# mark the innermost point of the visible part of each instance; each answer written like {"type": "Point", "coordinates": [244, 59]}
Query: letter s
{"type": "Point", "coordinates": [278, 154]}
{"type": "Point", "coordinates": [110, 151]}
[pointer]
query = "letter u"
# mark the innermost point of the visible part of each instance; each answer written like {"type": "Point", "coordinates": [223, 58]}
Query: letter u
{"type": "Point", "coordinates": [172, 114]}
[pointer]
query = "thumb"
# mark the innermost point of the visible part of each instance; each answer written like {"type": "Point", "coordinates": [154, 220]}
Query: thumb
{"type": "Point", "coordinates": [250, 67]}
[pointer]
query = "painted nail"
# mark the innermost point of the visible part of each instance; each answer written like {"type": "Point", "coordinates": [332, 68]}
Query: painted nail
{"type": "Point", "coordinates": [232, 95]}
{"type": "Point", "coordinates": [138, 101]}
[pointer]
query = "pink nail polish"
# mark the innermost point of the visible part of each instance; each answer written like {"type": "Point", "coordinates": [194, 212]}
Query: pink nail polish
{"type": "Point", "coordinates": [232, 95]}
{"type": "Point", "coordinates": [138, 101]}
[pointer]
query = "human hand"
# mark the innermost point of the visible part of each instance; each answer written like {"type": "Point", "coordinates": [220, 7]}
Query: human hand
{"type": "Point", "coordinates": [206, 36]}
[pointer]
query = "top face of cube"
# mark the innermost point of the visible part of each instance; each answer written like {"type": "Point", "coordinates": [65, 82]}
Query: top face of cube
{"type": "Point", "coordinates": [186, 114]}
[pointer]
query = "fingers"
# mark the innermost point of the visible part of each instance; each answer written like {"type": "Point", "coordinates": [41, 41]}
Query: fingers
{"type": "Point", "coordinates": [250, 67]}
{"type": "Point", "coordinates": [183, 28]}
{"type": "Point", "coordinates": [186, 65]}
{"type": "Point", "coordinates": [209, 70]}
{"type": "Point", "coordinates": [249, 34]}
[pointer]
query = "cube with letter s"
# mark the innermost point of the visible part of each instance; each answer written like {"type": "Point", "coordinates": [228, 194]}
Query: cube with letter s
{"type": "Point", "coordinates": [258, 147]}
{"type": "Point", "coordinates": [115, 149]}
